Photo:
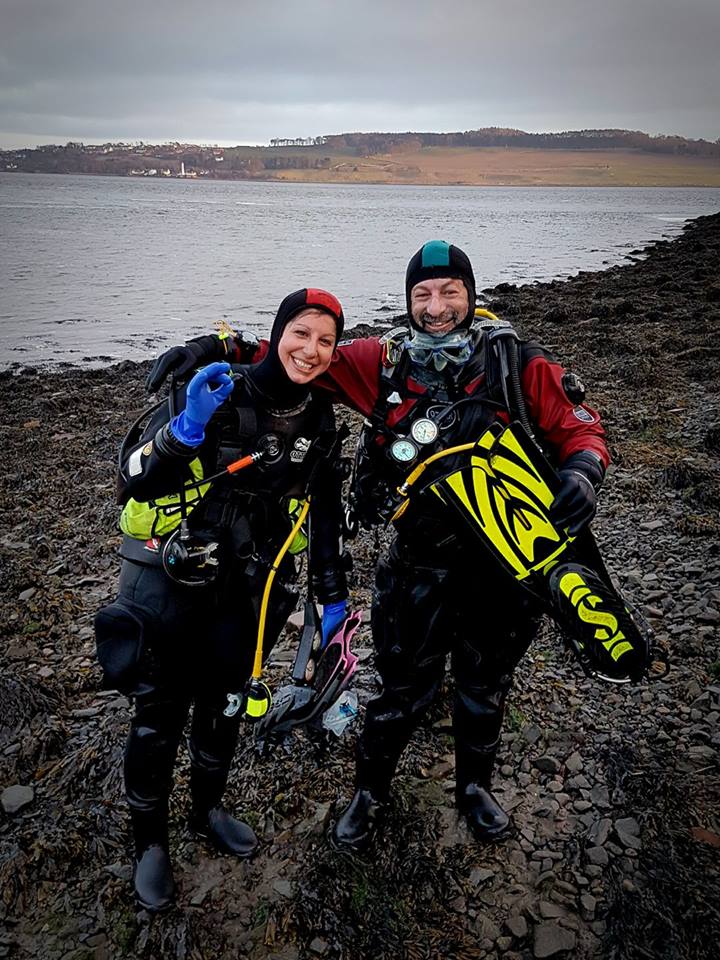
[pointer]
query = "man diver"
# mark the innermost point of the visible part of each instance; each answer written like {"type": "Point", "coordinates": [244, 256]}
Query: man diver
{"type": "Point", "coordinates": [428, 386]}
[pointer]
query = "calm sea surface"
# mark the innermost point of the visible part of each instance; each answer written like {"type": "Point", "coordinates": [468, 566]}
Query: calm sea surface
{"type": "Point", "coordinates": [103, 267]}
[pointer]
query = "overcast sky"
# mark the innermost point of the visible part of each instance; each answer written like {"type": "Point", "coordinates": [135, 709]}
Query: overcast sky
{"type": "Point", "coordinates": [238, 71]}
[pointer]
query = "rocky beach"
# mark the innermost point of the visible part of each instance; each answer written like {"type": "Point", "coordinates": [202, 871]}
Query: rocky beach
{"type": "Point", "coordinates": [614, 790]}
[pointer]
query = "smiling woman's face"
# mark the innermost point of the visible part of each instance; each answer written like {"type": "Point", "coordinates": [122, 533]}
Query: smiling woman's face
{"type": "Point", "coordinates": [307, 345]}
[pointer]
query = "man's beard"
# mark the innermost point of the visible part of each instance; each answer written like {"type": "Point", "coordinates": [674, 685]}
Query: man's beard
{"type": "Point", "coordinates": [430, 324]}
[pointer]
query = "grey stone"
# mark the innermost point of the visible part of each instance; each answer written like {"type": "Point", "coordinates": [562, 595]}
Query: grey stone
{"type": "Point", "coordinates": [16, 797]}
{"type": "Point", "coordinates": [551, 911]}
{"type": "Point", "coordinates": [600, 831]}
{"type": "Point", "coordinates": [488, 929]}
{"type": "Point", "coordinates": [319, 946]}
{"type": "Point", "coordinates": [283, 887]}
{"type": "Point", "coordinates": [531, 732]}
{"type": "Point", "coordinates": [628, 825]}
{"type": "Point", "coordinates": [574, 763]}
{"type": "Point", "coordinates": [588, 904]}
{"type": "Point", "coordinates": [123, 871]}
{"type": "Point", "coordinates": [551, 938]}
{"type": "Point", "coordinates": [628, 840]}
{"type": "Point", "coordinates": [27, 594]}
{"type": "Point", "coordinates": [598, 856]}
{"type": "Point", "coordinates": [547, 764]}
{"type": "Point", "coordinates": [517, 925]}
{"type": "Point", "coordinates": [479, 875]}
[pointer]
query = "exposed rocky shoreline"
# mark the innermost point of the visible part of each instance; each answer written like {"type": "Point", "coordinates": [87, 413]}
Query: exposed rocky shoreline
{"type": "Point", "coordinates": [615, 791]}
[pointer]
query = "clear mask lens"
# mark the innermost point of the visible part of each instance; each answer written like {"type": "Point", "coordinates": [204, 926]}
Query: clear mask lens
{"type": "Point", "coordinates": [454, 348]}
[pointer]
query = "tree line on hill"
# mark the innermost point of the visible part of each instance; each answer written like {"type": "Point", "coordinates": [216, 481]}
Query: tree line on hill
{"type": "Point", "coordinates": [244, 162]}
{"type": "Point", "coordinates": [373, 143]}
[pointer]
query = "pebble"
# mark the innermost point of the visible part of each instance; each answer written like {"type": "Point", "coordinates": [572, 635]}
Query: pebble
{"type": "Point", "coordinates": [551, 911]}
{"type": "Point", "coordinates": [597, 856]}
{"type": "Point", "coordinates": [574, 763]}
{"type": "Point", "coordinates": [517, 925]}
{"type": "Point", "coordinates": [319, 946]}
{"type": "Point", "coordinates": [550, 938]}
{"type": "Point", "coordinates": [16, 798]}
{"type": "Point", "coordinates": [479, 875]}
{"type": "Point", "coordinates": [628, 832]}
{"type": "Point", "coordinates": [600, 831]}
{"type": "Point", "coordinates": [284, 888]}
{"type": "Point", "coordinates": [588, 903]}
{"type": "Point", "coordinates": [547, 764]}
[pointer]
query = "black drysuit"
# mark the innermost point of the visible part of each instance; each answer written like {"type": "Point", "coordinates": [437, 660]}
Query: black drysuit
{"type": "Point", "coordinates": [172, 646]}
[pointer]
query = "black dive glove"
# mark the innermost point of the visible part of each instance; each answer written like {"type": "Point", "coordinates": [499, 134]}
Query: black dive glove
{"type": "Point", "coordinates": [575, 504]}
{"type": "Point", "coordinates": [181, 361]}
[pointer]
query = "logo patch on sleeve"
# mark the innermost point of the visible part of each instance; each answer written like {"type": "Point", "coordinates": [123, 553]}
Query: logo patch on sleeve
{"type": "Point", "coordinates": [582, 414]}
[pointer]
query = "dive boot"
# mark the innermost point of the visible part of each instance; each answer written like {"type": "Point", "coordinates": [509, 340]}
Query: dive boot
{"type": "Point", "coordinates": [153, 879]}
{"type": "Point", "coordinates": [485, 817]}
{"type": "Point", "coordinates": [359, 821]}
{"type": "Point", "coordinates": [225, 832]}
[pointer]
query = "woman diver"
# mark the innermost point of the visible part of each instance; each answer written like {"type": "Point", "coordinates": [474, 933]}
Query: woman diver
{"type": "Point", "coordinates": [211, 487]}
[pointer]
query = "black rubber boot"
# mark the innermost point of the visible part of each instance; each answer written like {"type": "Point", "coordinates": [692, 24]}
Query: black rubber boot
{"type": "Point", "coordinates": [152, 876]}
{"type": "Point", "coordinates": [359, 821]}
{"type": "Point", "coordinates": [211, 746]}
{"type": "Point", "coordinates": [149, 758]}
{"type": "Point", "coordinates": [153, 879]}
{"type": "Point", "coordinates": [225, 832]}
{"type": "Point", "coordinates": [485, 817]}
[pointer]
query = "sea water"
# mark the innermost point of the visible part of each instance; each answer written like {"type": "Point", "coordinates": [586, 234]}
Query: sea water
{"type": "Point", "coordinates": [94, 269]}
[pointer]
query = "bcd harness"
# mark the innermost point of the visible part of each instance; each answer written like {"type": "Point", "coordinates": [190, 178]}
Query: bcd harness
{"type": "Point", "coordinates": [196, 553]}
{"type": "Point", "coordinates": [372, 501]}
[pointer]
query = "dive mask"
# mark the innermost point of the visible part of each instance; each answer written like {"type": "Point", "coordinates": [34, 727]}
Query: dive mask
{"type": "Point", "coordinates": [455, 347]}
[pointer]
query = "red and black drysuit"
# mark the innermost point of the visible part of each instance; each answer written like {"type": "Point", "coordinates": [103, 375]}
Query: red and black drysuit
{"type": "Point", "coordinates": [436, 592]}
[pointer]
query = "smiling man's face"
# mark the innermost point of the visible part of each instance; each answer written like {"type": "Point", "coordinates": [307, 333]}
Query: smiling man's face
{"type": "Point", "coordinates": [439, 305]}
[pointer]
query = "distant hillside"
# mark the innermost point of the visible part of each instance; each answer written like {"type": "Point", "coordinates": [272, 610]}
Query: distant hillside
{"type": "Point", "coordinates": [373, 143]}
{"type": "Point", "coordinates": [491, 156]}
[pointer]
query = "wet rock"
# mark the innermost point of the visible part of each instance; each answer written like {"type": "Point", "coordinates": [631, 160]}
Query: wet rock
{"type": "Point", "coordinates": [319, 947]}
{"type": "Point", "coordinates": [600, 831]}
{"type": "Point", "coordinates": [551, 911]}
{"type": "Point", "coordinates": [627, 830]}
{"type": "Point", "coordinates": [547, 764]}
{"type": "Point", "coordinates": [588, 905]}
{"type": "Point", "coordinates": [517, 925]}
{"type": "Point", "coordinates": [480, 875]}
{"type": "Point", "coordinates": [574, 763]}
{"type": "Point", "coordinates": [551, 939]}
{"type": "Point", "coordinates": [16, 798]}
{"type": "Point", "coordinates": [597, 856]}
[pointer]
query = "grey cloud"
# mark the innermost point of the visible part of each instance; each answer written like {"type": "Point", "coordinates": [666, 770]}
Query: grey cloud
{"type": "Point", "coordinates": [248, 71]}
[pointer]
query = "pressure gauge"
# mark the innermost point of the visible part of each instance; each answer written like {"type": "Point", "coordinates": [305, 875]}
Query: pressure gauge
{"type": "Point", "coordinates": [424, 430]}
{"type": "Point", "coordinates": [403, 450]}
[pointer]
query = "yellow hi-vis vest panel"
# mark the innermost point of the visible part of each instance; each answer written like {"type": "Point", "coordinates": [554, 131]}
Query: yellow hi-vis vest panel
{"type": "Point", "coordinates": [158, 517]}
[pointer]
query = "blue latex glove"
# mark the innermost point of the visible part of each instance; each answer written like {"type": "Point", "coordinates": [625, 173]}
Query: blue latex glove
{"type": "Point", "coordinates": [201, 403]}
{"type": "Point", "coordinates": [333, 616]}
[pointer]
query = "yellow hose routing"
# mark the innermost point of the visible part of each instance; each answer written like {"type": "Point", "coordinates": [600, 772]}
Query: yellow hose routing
{"type": "Point", "coordinates": [258, 694]}
{"type": "Point", "coordinates": [482, 312]}
{"type": "Point", "coordinates": [418, 472]}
